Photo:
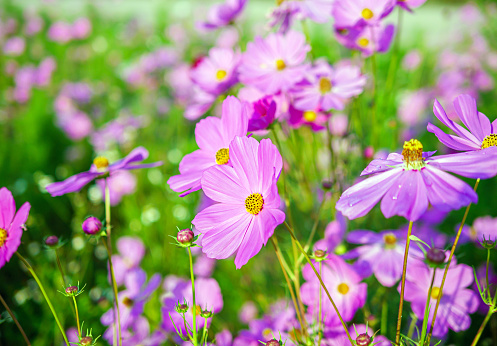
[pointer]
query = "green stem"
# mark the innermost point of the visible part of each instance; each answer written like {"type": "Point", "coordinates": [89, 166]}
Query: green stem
{"type": "Point", "coordinates": [427, 311]}
{"type": "Point", "coordinates": [384, 316]}
{"type": "Point", "coordinates": [289, 284]}
{"type": "Point", "coordinates": [448, 264]}
{"type": "Point", "coordinates": [320, 317]}
{"type": "Point", "coordinates": [320, 281]}
{"type": "Point", "coordinates": [403, 284]}
{"type": "Point", "coordinates": [77, 315]}
{"type": "Point", "coordinates": [31, 270]}
{"type": "Point", "coordinates": [194, 313]}
{"type": "Point", "coordinates": [59, 265]}
{"type": "Point", "coordinates": [114, 289]}
{"type": "Point", "coordinates": [204, 333]}
{"type": "Point", "coordinates": [411, 327]}
{"type": "Point", "coordinates": [486, 273]}
{"type": "Point", "coordinates": [15, 320]}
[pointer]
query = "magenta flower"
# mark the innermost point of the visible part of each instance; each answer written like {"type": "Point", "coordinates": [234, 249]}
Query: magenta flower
{"type": "Point", "coordinates": [216, 73]}
{"type": "Point", "coordinates": [368, 40]}
{"type": "Point", "coordinates": [344, 285]}
{"type": "Point", "coordinates": [328, 88]}
{"type": "Point", "coordinates": [457, 301]}
{"type": "Point", "coordinates": [263, 114]}
{"type": "Point", "coordinates": [213, 137]}
{"type": "Point", "coordinates": [248, 209]}
{"type": "Point", "coordinates": [222, 14]}
{"type": "Point", "coordinates": [10, 225]}
{"type": "Point", "coordinates": [316, 119]}
{"type": "Point", "coordinates": [274, 63]}
{"type": "Point", "coordinates": [349, 13]}
{"type": "Point", "coordinates": [100, 169]}
{"type": "Point", "coordinates": [407, 182]}
{"type": "Point", "coordinates": [482, 134]}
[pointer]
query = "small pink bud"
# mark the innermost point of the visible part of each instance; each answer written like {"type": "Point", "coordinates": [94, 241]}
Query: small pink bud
{"type": "Point", "coordinates": [92, 225]}
{"type": "Point", "coordinates": [185, 236]}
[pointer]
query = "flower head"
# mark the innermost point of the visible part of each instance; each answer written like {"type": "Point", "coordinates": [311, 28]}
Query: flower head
{"type": "Point", "coordinates": [222, 14]}
{"type": "Point", "coordinates": [349, 13]}
{"type": "Point", "coordinates": [248, 208]}
{"type": "Point", "coordinates": [100, 169]}
{"type": "Point", "coordinates": [368, 40]}
{"type": "Point", "coordinates": [131, 251]}
{"type": "Point", "coordinates": [92, 225]}
{"type": "Point", "coordinates": [11, 225]}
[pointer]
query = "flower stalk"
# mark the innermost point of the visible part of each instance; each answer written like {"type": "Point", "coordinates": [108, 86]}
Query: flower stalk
{"type": "Point", "coordinates": [15, 320]}
{"type": "Point", "coordinates": [194, 307]}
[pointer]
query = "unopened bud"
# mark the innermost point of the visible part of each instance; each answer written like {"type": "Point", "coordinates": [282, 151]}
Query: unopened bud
{"type": "Point", "coordinates": [92, 225]}
{"type": "Point", "coordinates": [435, 256]}
{"type": "Point", "coordinates": [52, 241]}
{"type": "Point", "coordinates": [273, 342]}
{"type": "Point", "coordinates": [87, 340]}
{"type": "Point", "coordinates": [326, 184]}
{"type": "Point", "coordinates": [72, 290]}
{"type": "Point", "coordinates": [363, 340]}
{"type": "Point", "coordinates": [185, 236]}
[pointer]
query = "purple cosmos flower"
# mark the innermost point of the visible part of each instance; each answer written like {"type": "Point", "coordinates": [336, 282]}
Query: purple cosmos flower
{"type": "Point", "coordinates": [333, 234]}
{"type": "Point", "coordinates": [248, 209]}
{"type": "Point", "coordinates": [457, 300]}
{"type": "Point", "coordinates": [274, 63]}
{"type": "Point", "coordinates": [316, 119]}
{"type": "Point", "coordinates": [263, 114]}
{"type": "Point", "coordinates": [413, 106]}
{"type": "Point", "coordinates": [367, 39]}
{"type": "Point", "coordinates": [118, 131]}
{"type": "Point", "coordinates": [316, 10]}
{"type": "Point", "coordinates": [408, 5]}
{"type": "Point", "coordinates": [407, 182]}
{"type": "Point", "coordinates": [120, 184]}
{"type": "Point", "coordinates": [483, 228]}
{"type": "Point", "coordinates": [198, 103]}
{"type": "Point", "coordinates": [382, 253]}
{"type": "Point", "coordinates": [131, 251]}
{"type": "Point", "coordinates": [100, 169]}
{"type": "Point", "coordinates": [482, 134]}
{"type": "Point", "coordinates": [344, 285]}
{"type": "Point", "coordinates": [349, 13]}
{"type": "Point", "coordinates": [213, 136]}
{"type": "Point", "coordinates": [204, 266]}
{"type": "Point", "coordinates": [248, 312]}
{"type": "Point", "coordinates": [216, 73]}
{"type": "Point", "coordinates": [328, 88]}
{"type": "Point", "coordinates": [138, 333]}
{"type": "Point", "coordinates": [10, 225]}
{"type": "Point", "coordinates": [221, 15]}
{"type": "Point", "coordinates": [131, 301]}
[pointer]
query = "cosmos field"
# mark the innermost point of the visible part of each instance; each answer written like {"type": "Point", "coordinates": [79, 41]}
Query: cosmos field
{"type": "Point", "coordinates": [292, 172]}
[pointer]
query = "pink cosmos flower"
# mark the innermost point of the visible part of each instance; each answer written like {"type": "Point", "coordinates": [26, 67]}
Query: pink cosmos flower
{"type": "Point", "coordinates": [120, 184]}
{"type": "Point", "coordinates": [10, 225]}
{"type": "Point", "coordinates": [407, 182]}
{"type": "Point", "coordinates": [344, 285]}
{"type": "Point", "coordinates": [483, 228]}
{"type": "Point", "coordinates": [213, 136]}
{"type": "Point", "coordinates": [412, 60]}
{"type": "Point", "coordinates": [316, 10]}
{"type": "Point", "coordinates": [316, 119]}
{"type": "Point", "coordinates": [222, 14]}
{"type": "Point", "coordinates": [482, 134]}
{"type": "Point", "coordinates": [131, 251]}
{"type": "Point", "coordinates": [248, 209]}
{"type": "Point", "coordinates": [216, 73]}
{"type": "Point", "coordinates": [14, 46]}
{"type": "Point", "coordinates": [274, 63]}
{"type": "Point", "coordinates": [368, 40]}
{"type": "Point", "coordinates": [333, 234]}
{"type": "Point", "coordinates": [349, 13]}
{"type": "Point", "coordinates": [327, 87]}
{"type": "Point", "coordinates": [99, 169]}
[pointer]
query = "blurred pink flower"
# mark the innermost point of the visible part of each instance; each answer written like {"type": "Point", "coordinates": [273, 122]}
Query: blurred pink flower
{"type": "Point", "coordinates": [14, 46]}
{"type": "Point", "coordinates": [120, 184]}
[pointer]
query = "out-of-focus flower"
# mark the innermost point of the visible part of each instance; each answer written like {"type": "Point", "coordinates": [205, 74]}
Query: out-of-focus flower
{"type": "Point", "coordinates": [248, 312]}
{"type": "Point", "coordinates": [99, 169]}
{"type": "Point", "coordinates": [204, 266]}
{"type": "Point", "coordinates": [407, 182]}
{"type": "Point", "coordinates": [11, 225]}
{"type": "Point", "coordinates": [120, 184]}
{"type": "Point", "coordinates": [413, 106]}
{"type": "Point", "coordinates": [81, 28]}
{"type": "Point", "coordinates": [263, 114]}
{"type": "Point", "coordinates": [338, 124]}
{"type": "Point", "coordinates": [216, 73]}
{"type": "Point", "coordinates": [274, 63]}
{"type": "Point", "coordinates": [118, 131]}
{"type": "Point", "coordinates": [344, 285]}
{"type": "Point", "coordinates": [481, 135]}
{"type": "Point", "coordinates": [411, 60]}
{"type": "Point", "coordinates": [77, 125]}
{"type": "Point", "coordinates": [222, 14]}
{"type": "Point", "coordinates": [333, 234]}
{"type": "Point", "coordinates": [457, 300]}
{"type": "Point", "coordinates": [483, 228]}
{"type": "Point", "coordinates": [131, 251]}
{"type": "Point", "coordinates": [213, 136]}
{"type": "Point", "coordinates": [368, 40]}
{"type": "Point", "coordinates": [91, 225]}
{"type": "Point", "coordinates": [316, 10]}
{"type": "Point", "coordinates": [34, 24]}
{"type": "Point", "coordinates": [248, 209]}
{"type": "Point", "coordinates": [60, 32]}
{"type": "Point", "coordinates": [328, 87]}
{"type": "Point", "coordinates": [14, 46]}
{"type": "Point", "coordinates": [349, 13]}
{"type": "Point", "coordinates": [316, 119]}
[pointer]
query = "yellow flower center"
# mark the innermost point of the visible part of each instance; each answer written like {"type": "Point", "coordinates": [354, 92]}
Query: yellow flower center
{"type": "Point", "coordinates": [267, 333]}
{"type": "Point", "coordinates": [128, 302]}
{"type": "Point", "coordinates": [279, 2]}
{"type": "Point", "coordinates": [310, 116]}
{"type": "Point", "coordinates": [390, 240]}
{"type": "Point", "coordinates": [324, 85]}
{"type": "Point", "coordinates": [254, 203]}
{"type": "Point", "coordinates": [198, 310]}
{"type": "Point", "coordinates": [3, 236]}
{"type": "Point", "coordinates": [280, 64]}
{"type": "Point", "coordinates": [435, 292]}
{"type": "Point", "coordinates": [363, 42]}
{"type": "Point", "coordinates": [222, 156]}
{"type": "Point", "coordinates": [101, 162]}
{"type": "Point", "coordinates": [367, 13]}
{"type": "Point", "coordinates": [221, 74]}
{"type": "Point", "coordinates": [343, 288]}
{"type": "Point", "coordinates": [413, 154]}
{"type": "Point", "coordinates": [489, 141]}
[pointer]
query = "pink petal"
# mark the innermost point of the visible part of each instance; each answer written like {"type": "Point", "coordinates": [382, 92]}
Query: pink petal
{"type": "Point", "coordinates": [221, 184]}
{"type": "Point", "coordinates": [7, 208]}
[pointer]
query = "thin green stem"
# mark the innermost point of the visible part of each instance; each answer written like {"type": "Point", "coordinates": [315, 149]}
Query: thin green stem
{"type": "Point", "coordinates": [313, 230]}
{"type": "Point", "coordinates": [320, 281]}
{"type": "Point", "coordinates": [403, 284]}
{"type": "Point", "coordinates": [289, 284]}
{"type": "Point", "coordinates": [204, 333]}
{"type": "Point", "coordinates": [486, 273]}
{"type": "Point", "coordinates": [195, 341]}
{"type": "Point", "coordinates": [411, 327]}
{"type": "Point", "coordinates": [117, 324]}
{"type": "Point", "coordinates": [77, 315]}
{"type": "Point", "coordinates": [384, 316]}
{"type": "Point", "coordinates": [448, 264]}
{"type": "Point", "coordinates": [427, 311]}
{"type": "Point", "coordinates": [31, 270]}
{"type": "Point", "coordinates": [320, 317]}
{"type": "Point", "coordinates": [15, 320]}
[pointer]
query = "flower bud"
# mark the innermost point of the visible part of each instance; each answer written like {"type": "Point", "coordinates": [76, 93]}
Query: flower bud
{"type": "Point", "coordinates": [435, 256]}
{"type": "Point", "coordinates": [87, 340]}
{"type": "Point", "coordinates": [71, 290]}
{"type": "Point", "coordinates": [319, 253]}
{"type": "Point", "coordinates": [273, 342]}
{"type": "Point", "coordinates": [363, 340]}
{"type": "Point", "coordinates": [487, 243]}
{"type": "Point", "coordinates": [368, 153]}
{"type": "Point", "coordinates": [182, 308]}
{"type": "Point", "coordinates": [326, 184]}
{"type": "Point", "coordinates": [92, 225]}
{"type": "Point", "coordinates": [205, 313]}
{"type": "Point", "coordinates": [52, 241]}
{"type": "Point", "coordinates": [185, 236]}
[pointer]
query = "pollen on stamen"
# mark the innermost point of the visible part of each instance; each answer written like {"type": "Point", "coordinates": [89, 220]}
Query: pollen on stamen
{"type": "Point", "coordinates": [310, 116]}
{"type": "Point", "coordinates": [343, 288]}
{"type": "Point", "coordinates": [254, 203]}
{"type": "Point", "coordinates": [363, 42]}
{"type": "Point", "coordinates": [489, 141]}
{"type": "Point", "coordinates": [389, 239]}
{"type": "Point", "coordinates": [367, 13]}
{"type": "Point", "coordinates": [223, 156]}
{"type": "Point", "coordinates": [101, 162]}
{"type": "Point", "coordinates": [412, 154]}
{"type": "Point", "coordinates": [221, 74]}
{"type": "Point", "coordinates": [3, 236]}
{"type": "Point", "coordinates": [280, 65]}
{"type": "Point", "coordinates": [324, 85]}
